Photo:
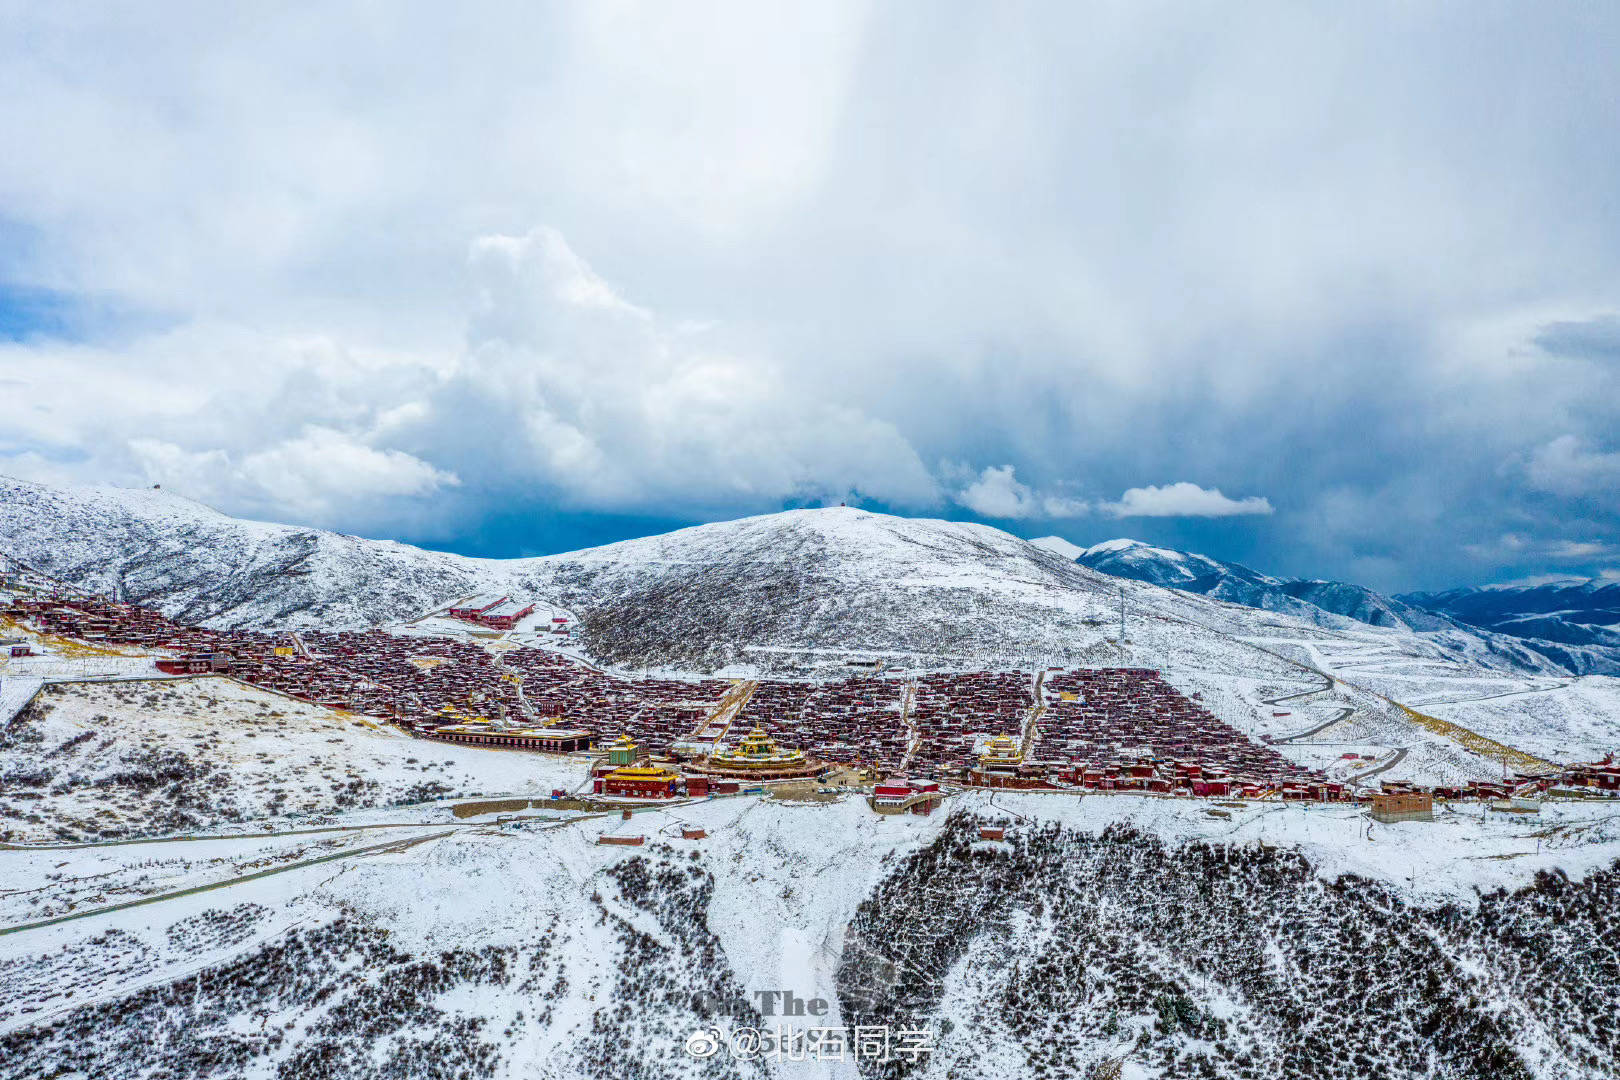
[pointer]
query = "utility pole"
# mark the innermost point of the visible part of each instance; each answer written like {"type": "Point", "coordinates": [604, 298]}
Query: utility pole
{"type": "Point", "coordinates": [1122, 614]}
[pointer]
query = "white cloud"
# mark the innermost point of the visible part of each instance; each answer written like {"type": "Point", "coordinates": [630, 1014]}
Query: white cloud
{"type": "Point", "coordinates": [564, 390]}
{"type": "Point", "coordinates": [997, 493]}
{"type": "Point", "coordinates": [620, 408]}
{"type": "Point", "coordinates": [1579, 549]}
{"type": "Point", "coordinates": [314, 473]}
{"type": "Point", "coordinates": [1568, 466]}
{"type": "Point", "coordinates": [1183, 500]}
{"type": "Point", "coordinates": [1532, 581]}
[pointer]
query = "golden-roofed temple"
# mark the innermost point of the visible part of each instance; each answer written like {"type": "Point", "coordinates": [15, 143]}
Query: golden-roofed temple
{"type": "Point", "coordinates": [1002, 764]}
{"type": "Point", "coordinates": [758, 757]}
{"type": "Point", "coordinates": [644, 781]}
{"type": "Point", "coordinates": [1001, 753]}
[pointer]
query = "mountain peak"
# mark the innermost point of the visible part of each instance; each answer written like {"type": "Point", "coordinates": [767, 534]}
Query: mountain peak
{"type": "Point", "coordinates": [1120, 544]}
{"type": "Point", "coordinates": [1058, 546]}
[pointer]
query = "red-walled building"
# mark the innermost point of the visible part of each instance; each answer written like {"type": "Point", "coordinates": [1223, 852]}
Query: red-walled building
{"type": "Point", "coordinates": [471, 609]}
{"type": "Point", "coordinates": [505, 615]}
{"type": "Point", "coordinates": [638, 782]}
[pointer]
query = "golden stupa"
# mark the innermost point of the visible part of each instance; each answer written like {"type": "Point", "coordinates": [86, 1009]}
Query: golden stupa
{"type": "Point", "coordinates": [757, 751]}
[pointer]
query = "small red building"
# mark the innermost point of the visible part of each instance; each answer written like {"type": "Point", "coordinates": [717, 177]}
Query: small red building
{"type": "Point", "coordinates": [1603, 775]}
{"type": "Point", "coordinates": [892, 792]}
{"type": "Point", "coordinates": [919, 796]}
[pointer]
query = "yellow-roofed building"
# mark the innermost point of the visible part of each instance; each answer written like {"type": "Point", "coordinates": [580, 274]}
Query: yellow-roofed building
{"type": "Point", "coordinates": [622, 751]}
{"type": "Point", "coordinates": [1001, 754]}
{"type": "Point", "coordinates": [757, 756]}
{"type": "Point", "coordinates": [640, 782]}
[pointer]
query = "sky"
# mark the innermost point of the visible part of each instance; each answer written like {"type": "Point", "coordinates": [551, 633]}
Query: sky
{"type": "Point", "coordinates": [1331, 290]}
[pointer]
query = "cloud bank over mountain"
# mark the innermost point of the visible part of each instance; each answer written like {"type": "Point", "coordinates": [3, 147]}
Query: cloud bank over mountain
{"type": "Point", "coordinates": [558, 264]}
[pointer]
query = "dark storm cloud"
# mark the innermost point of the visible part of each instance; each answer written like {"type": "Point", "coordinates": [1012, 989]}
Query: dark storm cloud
{"type": "Point", "coordinates": [1592, 339]}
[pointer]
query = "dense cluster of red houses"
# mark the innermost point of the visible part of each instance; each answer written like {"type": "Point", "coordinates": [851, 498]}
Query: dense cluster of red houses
{"type": "Point", "coordinates": [1118, 729]}
{"type": "Point", "coordinates": [950, 712]}
{"type": "Point", "coordinates": [1121, 729]}
{"type": "Point", "coordinates": [1127, 729]}
{"type": "Point", "coordinates": [657, 712]}
{"type": "Point", "coordinates": [423, 683]}
{"type": "Point", "coordinates": [854, 721]}
{"type": "Point", "coordinates": [1596, 776]}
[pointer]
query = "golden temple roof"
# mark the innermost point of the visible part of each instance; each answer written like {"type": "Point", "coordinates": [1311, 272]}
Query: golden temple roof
{"type": "Point", "coordinates": [1001, 750]}
{"type": "Point", "coordinates": [643, 773]}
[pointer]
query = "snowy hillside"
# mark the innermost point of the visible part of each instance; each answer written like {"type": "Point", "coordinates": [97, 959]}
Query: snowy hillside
{"type": "Point", "coordinates": [197, 565]}
{"type": "Point", "coordinates": [128, 759]}
{"type": "Point", "coordinates": [1270, 941]}
{"type": "Point", "coordinates": [810, 591]}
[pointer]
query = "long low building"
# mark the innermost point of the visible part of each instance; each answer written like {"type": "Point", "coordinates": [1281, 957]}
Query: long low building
{"type": "Point", "coordinates": [477, 605]}
{"type": "Point", "coordinates": [506, 614]}
{"type": "Point", "coordinates": [644, 781]}
{"type": "Point", "coordinates": [545, 740]}
{"type": "Point", "coordinates": [494, 610]}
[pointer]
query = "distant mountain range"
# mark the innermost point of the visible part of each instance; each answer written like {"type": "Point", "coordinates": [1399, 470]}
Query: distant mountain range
{"type": "Point", "coordinates": [1572, 612]}
{"type": "Point", "coordinates": [1575, 625]}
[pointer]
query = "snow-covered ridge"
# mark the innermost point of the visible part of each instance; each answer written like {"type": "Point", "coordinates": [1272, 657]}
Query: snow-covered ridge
{"type": "Point", "coordinates": [776, 589]}
{"type": "Point", "coordinates": [1577, 613]}
{"type": "Point", "coordinates": [1557, 637]}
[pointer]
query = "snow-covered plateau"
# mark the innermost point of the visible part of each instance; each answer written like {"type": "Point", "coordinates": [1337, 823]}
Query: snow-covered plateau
{"type": "Point", "coordinates": [203, 879]}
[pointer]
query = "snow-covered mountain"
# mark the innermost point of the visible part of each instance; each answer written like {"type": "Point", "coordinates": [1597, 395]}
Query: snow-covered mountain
{"type": "Point", "coordinates": [778, 589]}
{"type": "Point", "coordinates": [1311, 599]}
{"type": "Point", "coordinates": [198, 565]}
{"type": "Point", "coordinates": [1239, 584]}
{"type": "Point", "coordinates": [1573, 612]}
